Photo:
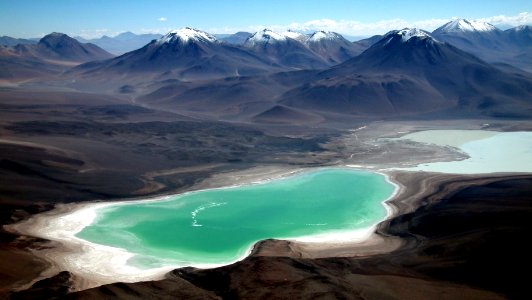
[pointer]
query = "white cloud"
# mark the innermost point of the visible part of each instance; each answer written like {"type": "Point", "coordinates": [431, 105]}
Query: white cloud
{"type": "Point", "coordinates": [353, 27]}
{"type": "Point", "coordinates": [346, 27]}
{"type": "Point", "coordinates": [523, 18]}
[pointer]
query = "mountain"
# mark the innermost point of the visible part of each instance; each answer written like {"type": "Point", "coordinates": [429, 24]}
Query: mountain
{"type": "Point", "coordinates": [186, 54]}
{"type": "Point", "coordinates": [61, 47]}
{"type": "Point", "coordinates": [487, 42]}
{"type": "Point", "coordinates": [409, 72]}
{"type": "Point", "coordinates": [470, 36]}
{"type": "Point", "coordinates": [465, 26]}
{"type": "Point", "coordinates": [304, 51]}
{"type": "Point", "coordinates": [128, 35]}
{"type": "Point", "coordinates": [519, 40]}
{"type": "Point", "coordinates": [9, 41]}
{"type": "Point", "coordinates": [122, 43]}
{"type": "Point", "coordinates": [520, 36]}
{"type": "Point", "coordinates": [52, 55]}
{"type": "Point", "coordinates": [285, 49]}
{"type": "Point", "coordinates": [236, 39]}
{"type": "Point", "coordinates": [333, 47]}
{"type": "Point", "coordinates": [402, 51]}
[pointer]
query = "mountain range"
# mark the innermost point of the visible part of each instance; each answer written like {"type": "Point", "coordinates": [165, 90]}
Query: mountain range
{"type": "Point", "coordinates": [10, 42]}
{"type": "Point", "coordinates": [407, 72]}
{"type": "Point", "coordinates": [60, 47]}
{"type": "Point", "coordinates": [410, 72]}
{"type": "Point", "coordinates": [290, 48]}
{"type": "Point", "coordinates": [463, 68]}
{"type": "Point", "coordinates": [50, 55]}
{"type": "Point", "coordinates": [190, 54]}
{"type": "Point", "coordinates": [186, 54]}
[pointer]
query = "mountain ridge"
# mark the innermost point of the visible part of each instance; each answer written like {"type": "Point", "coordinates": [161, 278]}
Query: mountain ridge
{"type": "Point", "coordinates": [61, 47]}
{"type": "Point", "coordinates": [488, 42]}
{"type": "Point", "coordinates": [411, 73]}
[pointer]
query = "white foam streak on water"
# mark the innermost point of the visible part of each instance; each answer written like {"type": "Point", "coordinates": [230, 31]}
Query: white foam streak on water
{"type": "Point", "coordinates": [194, 213]}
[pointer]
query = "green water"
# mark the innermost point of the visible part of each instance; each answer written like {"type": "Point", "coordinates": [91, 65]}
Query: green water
{"type": "Point", "coordinates": [219, 225]}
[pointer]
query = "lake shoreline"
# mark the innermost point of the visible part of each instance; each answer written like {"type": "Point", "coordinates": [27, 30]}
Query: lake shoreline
{"type": "Point", "coordinates": [68, 250]}
{"type": "Point", "coordinates": [381, 241]}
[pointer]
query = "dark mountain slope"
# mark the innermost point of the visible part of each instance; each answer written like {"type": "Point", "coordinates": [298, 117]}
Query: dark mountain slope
{"type": "Point", "coordinates": [286, 49]}
{"type": "Point", "coordinates": [183, 54]}
{"type": "Point", "coordinates": [488, 42]}
{"type": "Point", "coordinates": [61, 47]}
{"type": "Point", "coordinates": [333, 47]}
{"type": "Point", "coordinates": [409, 72]}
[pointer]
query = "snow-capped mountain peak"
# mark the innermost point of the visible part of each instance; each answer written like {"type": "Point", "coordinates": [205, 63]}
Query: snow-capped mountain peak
{"type": "Point", "coordinates": [324, 35]}
{"type": "Point", "coordinates": [408, 33]}
{"type": "Point", "coordinates": [405, 35]}
{"type": "Point", "coordinates": [185, 35]}
{"type": "Point", "coordinates": [463, 25]}
{"type": "Point", "coordinates": [265, 36]}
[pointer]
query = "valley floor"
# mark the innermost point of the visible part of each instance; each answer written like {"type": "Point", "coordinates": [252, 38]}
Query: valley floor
{"type": "Point", "coordinates": [452, 236]}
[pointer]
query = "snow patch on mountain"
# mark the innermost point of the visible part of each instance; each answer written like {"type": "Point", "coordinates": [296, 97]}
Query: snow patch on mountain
{"type": "Point", "coordinates": [324, 35]}
{"type": "Point", "coordinates": [463, 25]}
{"type": "Point", "coordinates": [408, 33]}
{"type": "Point", "coordinates": [185, 35]}
{"type": "Point", "coordinates": [268, 36]}
{"type": "Point", "coordinates": [265, 36]}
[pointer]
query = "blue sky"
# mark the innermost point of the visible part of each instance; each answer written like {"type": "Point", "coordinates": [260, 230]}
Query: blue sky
{"type": "Point", "coordinates": [93, 18]}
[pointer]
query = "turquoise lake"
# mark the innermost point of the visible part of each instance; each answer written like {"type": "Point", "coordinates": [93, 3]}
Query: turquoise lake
{"type": "Point", "coordinates": [219, 226]}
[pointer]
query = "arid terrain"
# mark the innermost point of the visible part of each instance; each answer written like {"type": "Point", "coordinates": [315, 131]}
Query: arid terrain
{"type": "Point", "coordinates": [83, 152]}
{"type": "Point", "coordinates": [187, 111]}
